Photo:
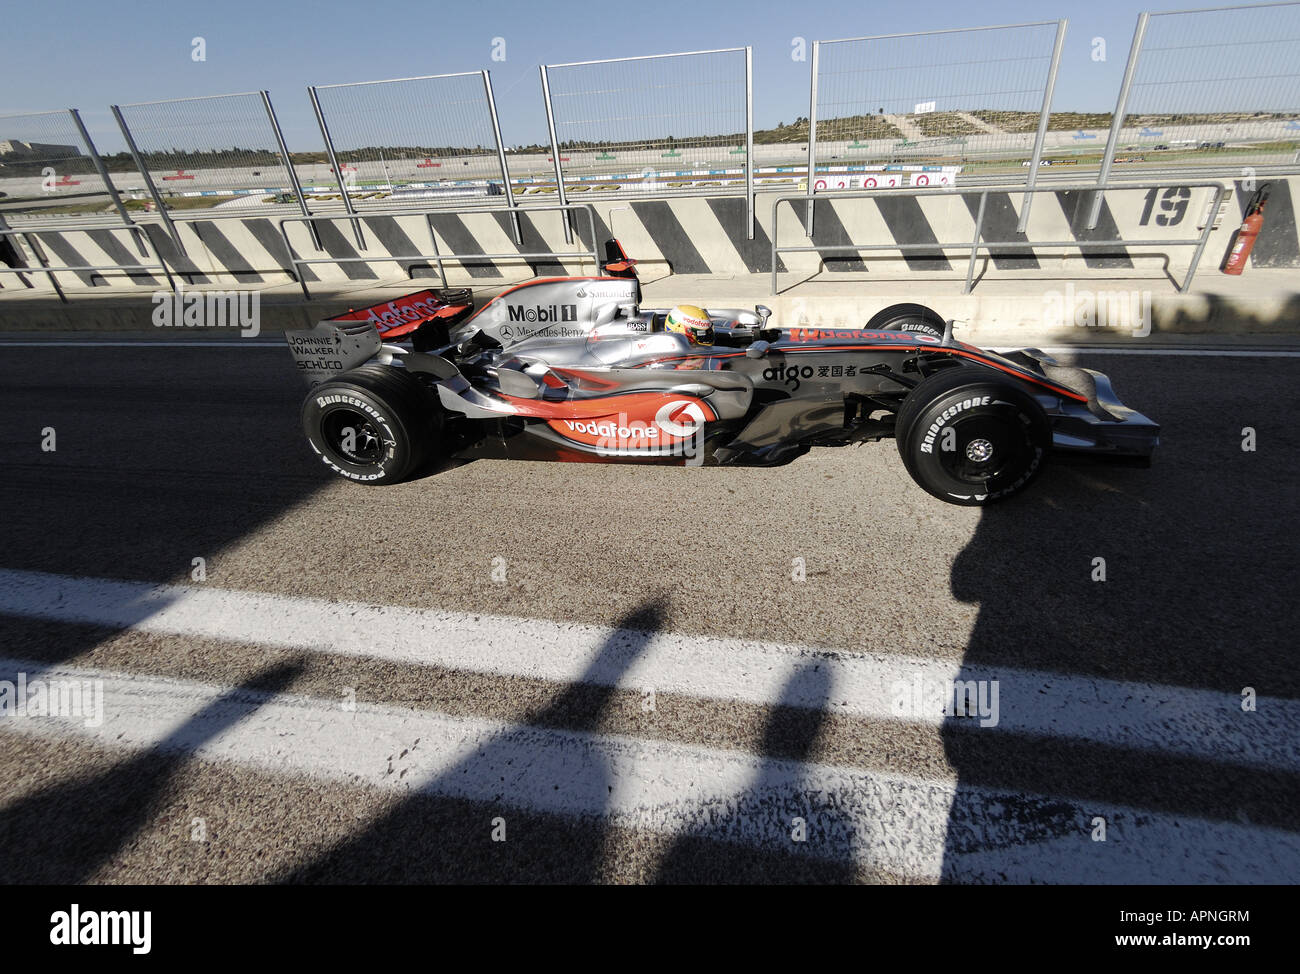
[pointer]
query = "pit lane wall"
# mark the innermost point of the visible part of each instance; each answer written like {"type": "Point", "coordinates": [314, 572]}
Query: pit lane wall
{"type": "Point", "coordinates": [696, 236]}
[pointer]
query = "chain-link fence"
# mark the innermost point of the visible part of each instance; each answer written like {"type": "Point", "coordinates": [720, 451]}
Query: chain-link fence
{"type": "Point", "coordinates": [1212, 91]}
{"type": "Point", "coordinates": [1215, 87]}
{"type": "Point", "coordinates": [409, 142]}
{"type": "Point", "coordinates": [49, 173]}
{"type": "Point", "coordinates": [965, 101]}
{"type": "Point", "coordinates": [219, 155]}
{"type": "Point", "coordinates": [664, 124]}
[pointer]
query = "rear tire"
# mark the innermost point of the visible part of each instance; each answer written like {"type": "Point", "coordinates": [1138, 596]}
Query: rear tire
{"type": "Point", "coordinates": [372, 425]}
{"type": "Point", "coordinates": [916, 318]}
{"type": "Point", "coordinates": [972, 438]}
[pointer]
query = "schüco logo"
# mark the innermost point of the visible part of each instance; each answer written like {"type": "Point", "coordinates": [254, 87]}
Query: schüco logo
{"type": "Point", "coordinates": [552, 312]}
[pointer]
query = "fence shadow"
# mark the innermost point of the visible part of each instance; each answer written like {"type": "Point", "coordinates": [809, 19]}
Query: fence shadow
{"type": "Point", "coordinates": [1198, 593]}
{"type": "Point", "coordinates": [443, 831]}
{"type": "Point", "coordinates": [767, 807]}
{"type": "Point", "coordinates": [67, 832]}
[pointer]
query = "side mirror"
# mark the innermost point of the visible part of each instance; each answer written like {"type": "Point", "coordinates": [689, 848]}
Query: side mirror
{"type": "Point", "coordinates": [763, 312]}
{"type": "Point", "coordinates": [757, 349]}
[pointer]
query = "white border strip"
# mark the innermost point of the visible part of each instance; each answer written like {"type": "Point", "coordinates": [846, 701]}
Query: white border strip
{"type": "Point", "coordinates": [906, 825]}
{"type": "Point", "coordinates": [1205, 724]}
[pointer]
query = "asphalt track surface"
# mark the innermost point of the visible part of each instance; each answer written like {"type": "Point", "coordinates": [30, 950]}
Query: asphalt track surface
{"type": "Point", "coordinates": [616, 670]}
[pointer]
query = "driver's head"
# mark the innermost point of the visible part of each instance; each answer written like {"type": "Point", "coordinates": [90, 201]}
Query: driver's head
{"type": "Point", "coordinates": [693, 322]}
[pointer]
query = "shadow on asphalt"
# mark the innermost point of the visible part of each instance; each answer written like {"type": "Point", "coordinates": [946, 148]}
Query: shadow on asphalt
{"type": "Point", "coordinates": [154, 466]}
{"type": "Point", "coordinates": [429, 838]}
{"type": "Point", "coordinates": [67, 832]}
{"type": "Point", "coordinates": [789, 735]}
{"type": "Point", "coordinates": [1199, 592]}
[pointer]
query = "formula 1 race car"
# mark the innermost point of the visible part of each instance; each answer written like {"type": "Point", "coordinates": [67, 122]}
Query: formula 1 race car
{"type": "Point", "coordinates": [575, 369]}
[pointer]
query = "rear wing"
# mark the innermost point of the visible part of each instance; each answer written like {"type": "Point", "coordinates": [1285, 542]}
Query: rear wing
{"type": "Point", "coordinates": [407, 314]}
{"type": "Point", "coordinates": [356, 336]}
{"type": "Point", "coordinates": [332, 347]}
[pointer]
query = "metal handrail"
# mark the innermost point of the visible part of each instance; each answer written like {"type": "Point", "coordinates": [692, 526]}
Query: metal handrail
{"type": "Point", "coordinates": [49, 270]}
{"type": "Point", "coordinates": [980, 244]}
{"type": "Point", "coordinates": [437, 256]}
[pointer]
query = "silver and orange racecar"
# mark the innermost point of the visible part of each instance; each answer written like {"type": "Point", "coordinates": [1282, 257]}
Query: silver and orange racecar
{"type": "Point", "coordinates": [574, 368]}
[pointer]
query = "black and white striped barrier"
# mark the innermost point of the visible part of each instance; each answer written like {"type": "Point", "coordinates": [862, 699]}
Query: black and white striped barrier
{"type": "Point", "coordinates": [681, 235]}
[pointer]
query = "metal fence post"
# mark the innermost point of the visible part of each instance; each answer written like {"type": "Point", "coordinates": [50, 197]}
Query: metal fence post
{"type": "Point", "coordinates": [555, 156]}
{"type": "Point", "coordinates": [288, 163]}
{"type": "Point", "coordinates": [1219, 192]}
{"type": "Point", "coordinates": [1043, 117]}
{"type": "Point", "coordinates": [749, 140]}
{"type": "Point", "coordinates": [1117, 121]}
{"type": "Point", "coordinates": [437, 254]}
{"type": "Point", "coordinates": [102, 170]}
{"type": "Point", "coordinates": [35, 247]}
{"type": "Point", "coordinates": [19, 254]}
{"type": "Point", "coordinates": [501, 158]}
{"type": "Point", "coordinates": [812, 140]}
{"type": "Point", "coordinates": [334, 164]}
{"type": "Point", "coordinates": [975, 244]}
{"type": "Point", "coordinates": [148, 180]}
{"type": "Point", "coordinates": [776, 223]}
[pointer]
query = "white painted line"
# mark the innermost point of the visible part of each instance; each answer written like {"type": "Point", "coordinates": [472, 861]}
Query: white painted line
{"type": "Point", "coordinates": [912, 826]}
{"type": "Point", "coordinates": [1200, 723]}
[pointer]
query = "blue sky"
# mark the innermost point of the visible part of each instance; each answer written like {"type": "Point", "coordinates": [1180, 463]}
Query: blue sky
{"type": "Point", "coordinates": [89, 55]}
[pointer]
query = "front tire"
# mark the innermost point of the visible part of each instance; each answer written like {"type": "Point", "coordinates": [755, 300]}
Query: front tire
{"type": "Point", "coordinates": [971, 438]}
{"type": "Point", "coordinates": [372, 425]}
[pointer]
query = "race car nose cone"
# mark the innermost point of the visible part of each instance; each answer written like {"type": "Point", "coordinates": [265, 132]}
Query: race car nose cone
{"type": "Point", "coordinates": [979, 450]}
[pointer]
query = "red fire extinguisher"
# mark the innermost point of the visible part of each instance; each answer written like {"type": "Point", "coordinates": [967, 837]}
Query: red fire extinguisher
{"type": "Point", "coordinates": [1244, 240]}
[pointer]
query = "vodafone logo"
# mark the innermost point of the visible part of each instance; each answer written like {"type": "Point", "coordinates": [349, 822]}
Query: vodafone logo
{"type": "Point", "coordinates": [670, 417]}
{"type": "Point", "coordinates": [653, 422]}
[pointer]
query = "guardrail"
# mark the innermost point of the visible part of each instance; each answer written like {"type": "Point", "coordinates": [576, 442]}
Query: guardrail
{"type": "Point", "coordinates": [437, 256]}
{"type": "Point", "coordinates": [978, 243]}
{"type": "Point", "coordinates": [50, 271]}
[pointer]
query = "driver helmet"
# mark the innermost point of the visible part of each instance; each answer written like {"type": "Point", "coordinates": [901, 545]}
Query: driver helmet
{"type": "Point", "coordinates": [691, 321]}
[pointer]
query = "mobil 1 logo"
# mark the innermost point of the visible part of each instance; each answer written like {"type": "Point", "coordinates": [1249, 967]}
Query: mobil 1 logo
{"type": "Point", "coordinates": [543, 314]}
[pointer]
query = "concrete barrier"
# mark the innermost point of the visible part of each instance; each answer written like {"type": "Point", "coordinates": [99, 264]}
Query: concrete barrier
{"type": "Point", "coordinates": [703, 243]}
{"type": "Point", "coordinates": [687, 235]}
